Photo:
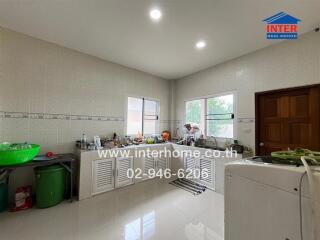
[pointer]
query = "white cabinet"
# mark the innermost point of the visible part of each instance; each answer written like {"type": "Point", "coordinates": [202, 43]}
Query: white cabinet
{"type": "Point", "coordinates": [200, 170]}
{"type": "Point", "coordinates": [123, 164]}
{"type": "Point", "coordinates": [155, 163]}
{"type": "Point", "coordinates": [162, 163]}
{"type": "Point", "coordinates": [110, 173]}
{"type": "Point", "coordinates": [208, 179]}
{"type": "Point", "coordinates": [190, 165]}
{"type": "Point", "coordinates": [148, 163]}
{"type": "Point", "coordinates": [103, 175]}
{"type": "Point", "coordinates": [97, 174]}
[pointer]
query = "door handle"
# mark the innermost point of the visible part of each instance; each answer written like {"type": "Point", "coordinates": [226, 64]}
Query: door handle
{"type": "Point", "coordinates": [261, 144]}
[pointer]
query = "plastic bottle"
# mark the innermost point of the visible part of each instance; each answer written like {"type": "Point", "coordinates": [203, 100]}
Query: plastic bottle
{"type": "Point", "coordinates": [84, 142]}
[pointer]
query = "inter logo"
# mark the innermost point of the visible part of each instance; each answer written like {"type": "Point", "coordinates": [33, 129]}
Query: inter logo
{"type": "Point", "coordinates": [282, 26]}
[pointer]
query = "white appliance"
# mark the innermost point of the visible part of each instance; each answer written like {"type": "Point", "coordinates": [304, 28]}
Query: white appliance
{"type": "Point", "coordinates": [262, 202]}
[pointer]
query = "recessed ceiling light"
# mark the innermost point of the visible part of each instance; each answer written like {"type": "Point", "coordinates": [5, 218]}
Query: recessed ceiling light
{"type": "Point", "coordinates": [201, 44]}
{"type": "Point", "coordinates": [155, 14]}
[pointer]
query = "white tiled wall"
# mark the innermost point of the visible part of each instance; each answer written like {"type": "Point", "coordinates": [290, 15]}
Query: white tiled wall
{"type": "Point", "coordinates": [288, 64]}
{"type": "Point", "coordinates": [40, 77]}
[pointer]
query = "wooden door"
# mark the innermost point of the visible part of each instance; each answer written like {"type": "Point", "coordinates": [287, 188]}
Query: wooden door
{"type": "Point", "coordinates": [288, 119]}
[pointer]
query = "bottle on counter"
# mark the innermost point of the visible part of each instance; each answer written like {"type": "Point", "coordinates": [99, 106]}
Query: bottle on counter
{"type": "Point", "coordinates": [192, 144]}
{"type": "Point", "coordinates": [84, 142]}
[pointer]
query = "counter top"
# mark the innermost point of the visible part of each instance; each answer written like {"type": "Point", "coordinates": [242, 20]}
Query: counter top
{"type": "Point", "coordinates": [129, 147]}
{"type": "Point", "coordinates": [168, 144]}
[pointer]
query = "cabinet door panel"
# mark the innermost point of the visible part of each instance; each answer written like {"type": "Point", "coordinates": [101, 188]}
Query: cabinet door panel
{"type": "Point", "coordinates": [190, 164]}
{"type": "Point", "coordinates": [207, 178]}
{"type": "Point", "coordinates": [123, 165]}
{"type": "Point", "coordinates": [148, 163]}
{"type": "Point", "coordinates": [162, 163]}
{"type": "Point", "coordinates": [102, 175]}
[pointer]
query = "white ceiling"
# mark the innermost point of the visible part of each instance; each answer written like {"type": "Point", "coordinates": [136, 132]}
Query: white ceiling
{"type": "Point", "coordinates": [121, 31]}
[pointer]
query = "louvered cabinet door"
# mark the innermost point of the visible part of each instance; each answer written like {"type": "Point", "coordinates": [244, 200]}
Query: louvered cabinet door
{"type": "Point", "coordinates": [190, 164]}
{"type": "Point", "coordinates": [103, 175]}
{"type": "Point", "coordinates": [123, 164]}
{"type": "Point", "coordinates": [207, 178]}
{"type": "Point", "coordinates": [148, 163]}
{"type": "Point", "coordinates": [162, 163]}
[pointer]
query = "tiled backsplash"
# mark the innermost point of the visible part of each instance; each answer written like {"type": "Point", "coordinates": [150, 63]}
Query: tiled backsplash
{"type": "Point", "coordinates": [56, 134]}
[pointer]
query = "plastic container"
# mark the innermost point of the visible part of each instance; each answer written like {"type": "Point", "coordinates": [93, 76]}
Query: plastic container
{"type": "Point", "coordinates": [84, 142]}
{"type": "Point", "coordinates": [50, 185]}
{"type": "Point", "coordinates": [17, 153]}
{"type": "Point", "coordinates": [3, 197]}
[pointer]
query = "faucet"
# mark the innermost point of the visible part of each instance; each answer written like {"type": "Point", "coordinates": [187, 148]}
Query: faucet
{"type": "Point", "coordinates": [215, 140]}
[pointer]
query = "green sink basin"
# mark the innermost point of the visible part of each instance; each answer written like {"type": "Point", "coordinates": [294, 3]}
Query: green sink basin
{"type": "Point", "coordinates": [17, 153]}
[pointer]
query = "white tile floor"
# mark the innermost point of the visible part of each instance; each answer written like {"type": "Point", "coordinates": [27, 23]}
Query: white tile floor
{"type": "Point", "coordinates": [149, 210]}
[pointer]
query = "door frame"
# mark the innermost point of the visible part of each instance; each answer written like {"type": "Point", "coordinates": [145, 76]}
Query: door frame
{"type": "Point", "coordinates": [257, 115]}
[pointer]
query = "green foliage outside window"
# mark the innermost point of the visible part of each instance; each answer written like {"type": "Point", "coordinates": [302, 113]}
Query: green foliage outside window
{"type": "Point", "coordinates": [193, 111]}
{"type": "Point", "coordinates": [220, 105]}
{"type": "Point", "coordinates": [217, 105]}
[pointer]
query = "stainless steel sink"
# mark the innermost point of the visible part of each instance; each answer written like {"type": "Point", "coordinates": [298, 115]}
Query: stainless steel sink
{"type": "Point", "coordinates": [215, 148]}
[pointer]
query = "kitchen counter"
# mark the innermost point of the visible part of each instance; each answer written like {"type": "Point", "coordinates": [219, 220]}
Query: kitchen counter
{"type": "Point", "coordinates": [174, 145]}
{"type": "Point", "coordinates": [87, 157]}
{"type": "Point", "coordinates": [129, 147]}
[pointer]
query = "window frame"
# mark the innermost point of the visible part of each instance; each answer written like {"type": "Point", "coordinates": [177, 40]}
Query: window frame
{"type": "Point", "coordinates": [203, 117]}
{"type": "Point", "coordinates": [126, 115]}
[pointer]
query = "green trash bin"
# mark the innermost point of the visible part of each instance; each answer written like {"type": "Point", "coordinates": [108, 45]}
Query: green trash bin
{"type": "Point", "coordinates": [3, 197]}
{"type": "Point", "coordinates": [50, 185]}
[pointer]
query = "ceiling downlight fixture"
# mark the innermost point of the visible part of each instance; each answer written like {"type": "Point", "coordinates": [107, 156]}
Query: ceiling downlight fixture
{"type": "Point", "coordinates": [201, 44]}
{"type": "Point", "coordinates": [155, 14]}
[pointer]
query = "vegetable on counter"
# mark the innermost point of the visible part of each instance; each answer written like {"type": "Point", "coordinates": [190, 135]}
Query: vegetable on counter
{"type": "Point", "coordinates": [296, 155]}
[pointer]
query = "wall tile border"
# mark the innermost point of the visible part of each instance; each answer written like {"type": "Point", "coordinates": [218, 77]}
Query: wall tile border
{"type": "Point", "coordinates": [72, 117]}
{"type": "Point", "coordinates": [239, 120]}
{"type": "Point", "coordinates": [246, 120]}
{"type": "Point", "coordinates": [58, 116]}
{"type": "Point", "coordinates": [170, 121]}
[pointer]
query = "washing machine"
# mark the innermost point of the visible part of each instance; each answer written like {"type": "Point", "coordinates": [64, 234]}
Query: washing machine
{"type": "Point", "coordinates": [268, 201]}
